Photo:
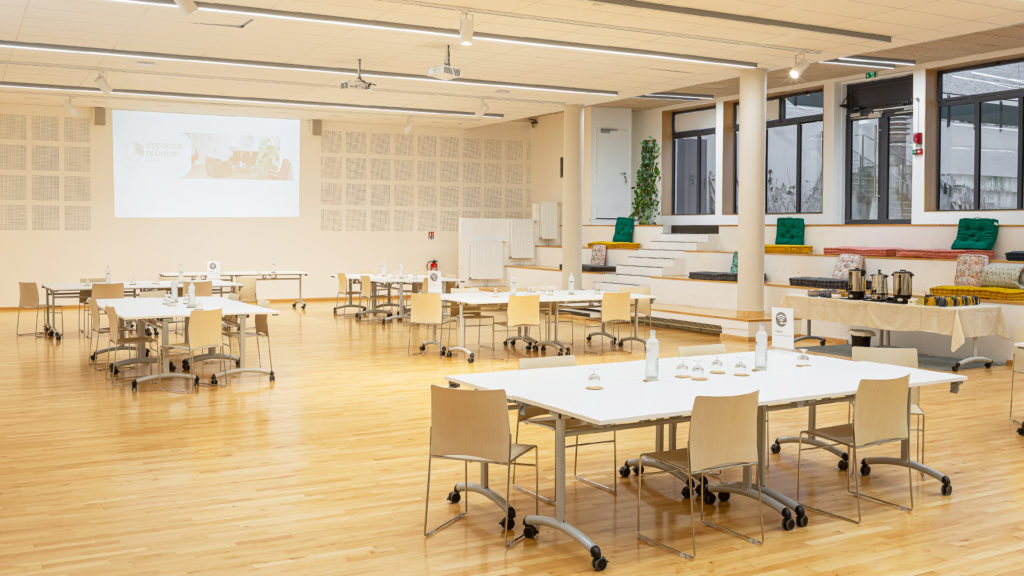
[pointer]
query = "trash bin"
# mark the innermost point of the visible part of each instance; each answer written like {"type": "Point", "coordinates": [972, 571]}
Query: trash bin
{"type": "Point", "coordinates": [861, 337]}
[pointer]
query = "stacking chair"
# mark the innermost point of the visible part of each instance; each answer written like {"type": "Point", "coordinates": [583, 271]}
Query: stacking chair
{"type": "Point", "coordinates": [203, 332]}
{"type": "Point", "coordinates": [247, 293]}
{"type": "Point", "coordinates": [368, 294]}
{"type": "Point", "coordinates": [881, 411]}
{"type": "Point", "coordinates": [346, 293]}
{"type": "Point", "coordinates": [203, 287]}
{"type": "Point", "coordinates": [83, 302]}
{"type": "Point", "coordinates": [260, 327]}
{"type": "Point", "coordinates": [523, 313]}
{"type": "Point", "coordinates": [117, 339]}
{"type": "Point", "coordinates": [428, 311]}
{"type": "Point", "coordinates": [472, 426]}
{"type": "Point", "coordinates": [541, 417]}
{"type": "Point", "coordinates": [28, 299]}
{"type": "Point", "coordinates": [906, 357]}
{"type": "Point", "coordinates": [614, 312]}
{"type": "Point", "coordinates": [723, 435]}
{"type": "Point", "coordinates": [1018, 366]}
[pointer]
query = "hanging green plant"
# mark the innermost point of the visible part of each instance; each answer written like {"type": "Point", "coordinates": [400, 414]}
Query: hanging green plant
{"type": "Point", "coordinates": [646, 193]}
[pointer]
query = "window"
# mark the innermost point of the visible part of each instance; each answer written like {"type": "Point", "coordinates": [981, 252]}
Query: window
{"type": "Point", "coordinates": [693, 168]}
{"type": "Point", "coordinates": [980, 139]}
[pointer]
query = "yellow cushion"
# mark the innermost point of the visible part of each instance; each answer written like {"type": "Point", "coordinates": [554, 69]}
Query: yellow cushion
{"type": "Point", "coordinates": [787, 249]}
{"type": "Point", "coordinates": [986, 292]}
{"type": "Point", "coordinates": [616, 245]}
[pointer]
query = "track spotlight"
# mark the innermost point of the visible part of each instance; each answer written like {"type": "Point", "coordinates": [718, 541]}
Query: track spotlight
{"type": "Point", "coordinates": [187, 6]}
{"type": "Point", "coordinates": [483, 109]}
{"type": "Point", "coordinates": [101, 81]}
{"type": "Point", "coordinates": [800, 64]}
{"type": "Point", "coordinates": [466, 29]}
{"type": "Point", "coordinates": [72, 111]}
{"type": "Point", "coordinates": [408, 125]}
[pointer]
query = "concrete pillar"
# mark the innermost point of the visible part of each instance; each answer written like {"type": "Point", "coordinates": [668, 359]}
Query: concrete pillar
{"type": "Point", "coordinates": [751, 158]}
{"type": "Point", "coordinates": [572, 154]}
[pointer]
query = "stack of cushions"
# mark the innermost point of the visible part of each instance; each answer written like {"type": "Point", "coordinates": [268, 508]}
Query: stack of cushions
{"type": "Point", "coordinates": [939, 253]}
{"type": "Point", "coordinates": [599, 255]}
{"type": "Point", "coordinates": [862, 250]}
{"type": "Point", "coordinates": [789, 238]}
{"type": "Point", "coordinates": [840, 274]}
{"type": "Point", "coordinates": [976, 234]}
{"type": "Point", "coordinates": [1016, 255]}
{"type": "Point", "coordinates": [729, 276]}
{"type": "Point", "coordinates": [974, 276]}
{"type": "Point", "coordinates": [615, 245]}
{"type": "Point", "coordinates": [622, 239]}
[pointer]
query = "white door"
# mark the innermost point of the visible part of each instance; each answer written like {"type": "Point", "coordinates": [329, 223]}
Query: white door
{"type": "Point", "coordinates": [611, 196]}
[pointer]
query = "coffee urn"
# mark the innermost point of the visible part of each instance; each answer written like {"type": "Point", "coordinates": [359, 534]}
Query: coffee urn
{"type": "Point", "coordinates": [879, 286]}
{"type": "Point", "coordinates": [902, 284]}
{"type": "Point", "coordinates": [856, 283]}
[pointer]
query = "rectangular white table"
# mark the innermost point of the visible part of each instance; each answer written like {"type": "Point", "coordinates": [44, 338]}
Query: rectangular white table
{"type": "Point", "coordinates": [295, 275]}
{"type": "Point", "coordinates": [399, 281]}
{"type": "Point", "coordinates": [155, 310]}
{"type": "Point", "coordinates": [74, 290]}
{"type": "Point", "coordinates": [626, 401]}
{"type": "Point", "coordinates": [554, 300]}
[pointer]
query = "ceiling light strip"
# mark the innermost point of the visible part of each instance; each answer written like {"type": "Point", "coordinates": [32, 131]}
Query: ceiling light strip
{"type": "Point", "coordinates": [676, 96]}
{"type": "Point", "coordinates": [294, 67]}
{"type": "Point", "coordinates": [442, 32]}
{"type": "Point", "coordinates": [859, 64]}
{"type": "Point", "coordinates": [873, 60]}
{"type": "Point", "coordinates": [247, 100]}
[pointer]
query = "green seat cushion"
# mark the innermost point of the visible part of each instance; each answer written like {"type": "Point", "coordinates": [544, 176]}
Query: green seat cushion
{"type": "Point", "coordinates": [976, 234]}
{"type": "Point", "coordinates": [789, 231]}
{"type": "Point", "coordinates": [623, 230]}
{"type": "Point", "coordinates": [735, 263]}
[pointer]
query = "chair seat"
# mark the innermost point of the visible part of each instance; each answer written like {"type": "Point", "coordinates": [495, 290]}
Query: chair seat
{"type": "Point", "coordinates": [517, 450]}
{"type": "Point", "coordinates": [678, 458]}
{"type": "Point", "coordinates": [136, 340]}
{"type": "Point", "coordinates": [916, 410]}
{"type": "Point", "coordinates": [841, 433]}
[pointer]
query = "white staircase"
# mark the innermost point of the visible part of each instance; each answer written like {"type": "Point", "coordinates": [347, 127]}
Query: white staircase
{"type": "Point", "coordinates": [664, 255]}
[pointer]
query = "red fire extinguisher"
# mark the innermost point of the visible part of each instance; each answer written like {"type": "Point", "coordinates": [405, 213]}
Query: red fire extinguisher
{"type": "Point", "coordinates": [432, 265]}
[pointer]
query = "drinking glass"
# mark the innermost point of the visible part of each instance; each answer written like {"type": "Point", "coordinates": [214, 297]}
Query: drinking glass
{"type": "Point", "coordinates": [697, 373]}
{"type": "Point", "coordinates": [803, 359]}
{"type": "Point", "coordinates": [717, 367]}
{"type": "Point", "coordinates": [682, 369]}
{"type": "Point", "coordinates": [740, 367]}
{"type": "Point", "coordinates": [594, 378]}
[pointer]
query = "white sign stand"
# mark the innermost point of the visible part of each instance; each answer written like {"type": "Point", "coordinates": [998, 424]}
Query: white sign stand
{"type": "Point", "coordinates": [434, 282]}
{"type": "Point", "coordinates": [782, 328]}
{"type": "Point", "coordinates": [213, 270]}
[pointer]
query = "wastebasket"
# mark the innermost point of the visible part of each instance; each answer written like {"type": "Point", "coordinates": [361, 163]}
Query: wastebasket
{"type": "Point", "coordinates": [861, 337]}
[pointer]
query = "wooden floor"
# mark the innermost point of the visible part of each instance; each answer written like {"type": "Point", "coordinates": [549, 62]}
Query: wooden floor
{"type": "Point", "coordinates": [324, 473]}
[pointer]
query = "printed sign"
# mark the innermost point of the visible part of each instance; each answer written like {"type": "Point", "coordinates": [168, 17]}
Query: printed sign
{"type": "Point", "coordinates": [782, 328]}
{"type": "Point", "coordinates": [434, 282]}
{"type": "Point", "coordinates": [213, 270]}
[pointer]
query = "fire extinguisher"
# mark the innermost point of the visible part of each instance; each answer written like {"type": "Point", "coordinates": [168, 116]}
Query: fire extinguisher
{"type": "Point", "coordinates": [432, 265]}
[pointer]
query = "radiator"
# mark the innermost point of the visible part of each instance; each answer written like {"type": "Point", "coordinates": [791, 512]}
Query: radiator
{"type": "Point", "coordinates": [486, 261]}
{"type": "Point", "coordinates": [549, 220]}
{"type": "Point", "coordinates": [521, 239]}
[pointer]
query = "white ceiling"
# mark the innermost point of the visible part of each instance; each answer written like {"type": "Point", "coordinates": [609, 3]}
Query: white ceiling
{"type": "Point", "coordinates": [115, 25]}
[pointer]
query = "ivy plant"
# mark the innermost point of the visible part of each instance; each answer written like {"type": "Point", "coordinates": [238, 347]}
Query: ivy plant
{"type": "Point", "coordinates": [646, 193]}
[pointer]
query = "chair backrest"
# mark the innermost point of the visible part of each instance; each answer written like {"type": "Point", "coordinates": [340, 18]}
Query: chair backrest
{"type": "Point", "coordinates": [906, 357]}
{"type": "Point", "coordinates": [524, 310]}
{"type": "Point", "coordinates": [425, 308]}
{"type": "Point", "coordinates": [105, 291]}
{"type": "Point", "coordinates": [723, 431]}
{"type": "Point", "coordinates": [642, 306]}
{"type": "Point", "coordinates": [1018, 354]}
{"type": "Point", "coordinates": [615, 307]}
{"type": "Point", "coordinates": [262, 326]}
{"type": "Point", "coordinates": [342, 283]}
{"type": "Point", "coordinates": [469, 423]}
{"type": "Point", "coordinates": [365, 286]}
{"type": "Point", "coordinates": [247, 293]}
{"type": "Point", "coordinates": [203, 287]}
{"type": "Point", "coordinates": [702, 349]}
{"type": "Point", "coordinates": [881, 410]}
{"type": "Point", "coordinates": [204, 328]}
{"type": "Point", "coordinates": [94, 315]}
{"type": "Point", "coordinates": [112, 324]}
{"type": "Point", "coordinates": [28, 295]}
{"type": "Point", "coordinates": [547, 362]}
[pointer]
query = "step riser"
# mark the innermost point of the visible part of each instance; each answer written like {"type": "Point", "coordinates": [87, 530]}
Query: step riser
{"type": "Point", "coordinates": [640, 271]}
{"type": "Point", "coordinates": [660, 245]}
{"type": "Point", "coordinates": [652, 262]}
{"type": "Point", "coordinates": [692, 238]}
{"type": "Point", "coordinates": [655, 253]}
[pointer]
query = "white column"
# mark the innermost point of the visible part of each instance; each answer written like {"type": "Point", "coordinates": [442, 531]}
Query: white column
{"type": "Point", "coordinates": [572, 154]}
{"type": "Point", "coordinates": [751, 158]}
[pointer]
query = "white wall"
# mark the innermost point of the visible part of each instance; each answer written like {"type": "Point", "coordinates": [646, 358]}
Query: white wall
{"type": "Point", "coordinates": [546, 139]}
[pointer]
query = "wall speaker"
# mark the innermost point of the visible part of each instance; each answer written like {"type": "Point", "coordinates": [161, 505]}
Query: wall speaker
{"type": "Point", "coordinates": [318, 127]}
{"type": "Point", "coordinates": [99, 116]}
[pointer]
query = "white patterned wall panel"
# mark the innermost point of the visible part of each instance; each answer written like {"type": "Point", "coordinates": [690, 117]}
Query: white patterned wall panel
{"type": "Point", "coordinates": [77, 218]}
{"type": "Point", "coordinates": [13, 127]}
{"type": "Point", "coordinates": [13, 187]}
{"type": "Point", "coordinates": [13, 217]}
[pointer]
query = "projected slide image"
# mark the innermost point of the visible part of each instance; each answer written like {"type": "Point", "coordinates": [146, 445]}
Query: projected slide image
{"type": "Point", "coordinates": [245, 157]}
{"type": "Point", "coordinates": [195, 166]}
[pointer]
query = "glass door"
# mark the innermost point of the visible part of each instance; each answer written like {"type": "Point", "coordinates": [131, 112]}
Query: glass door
{"type": "Point", "coordinates": [879, 168]}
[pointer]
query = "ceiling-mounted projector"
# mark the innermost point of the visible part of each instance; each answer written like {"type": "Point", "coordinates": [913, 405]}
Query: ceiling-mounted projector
{"type": "Point", "coordinates": [445, 71]}
{"type": "Point", "coordinates": [358, 83]}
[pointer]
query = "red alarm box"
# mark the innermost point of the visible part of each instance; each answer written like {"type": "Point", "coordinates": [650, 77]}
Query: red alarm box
{"type": "Point", "coordinates": [918, 138]}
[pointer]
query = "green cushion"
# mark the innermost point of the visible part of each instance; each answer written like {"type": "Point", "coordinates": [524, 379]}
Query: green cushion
{"type": "Point", "coordinates": [623, 230]}
{"type": "Point", "coordinates": [789, 231]}
{"type": "Point", "coordinates": [735, 263]}
{"type": "Point", "coordinates": [976, 234]}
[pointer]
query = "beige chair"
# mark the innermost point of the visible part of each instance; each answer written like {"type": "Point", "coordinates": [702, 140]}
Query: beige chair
{"type": "Point", "coordinates": [117, 339]}
{"type": "Point", "coordinates": [203, 332]}
{"type": "Point", "coordinates": [203, 288]}
{"type": "Point", "coordinates": [246, 293]}
{"type": "Point", "coordinates": [260, 327]}
{"type": "Point", "coordinates": [615, 311]}
{"type": "Point", "coordinates": [906, 357]}
{"type": "Point", "coordinates": [1018, 366]}
{"type": "Point", "coordinates": [346, 293]}
{"type": "Point", "coordinates": [723, 435]}
{"type": "Point", "coordinates": [523, 313]}
{"type": "Point", "coordinates": [472, 426]}
{"type": "Point", "coordinates": [426, 310]}
{"type": "Point", "coordinates": [83, 302]}
{"type": "Point", "coordinates": [28, 299]}
{"type": "Point", "coordinates": [368, 295]}
{"type": "Point", "coordinates": [473, 316]}
{"type": "Point", "coordinates": [880, 416]}
{"type": "Point", "coordinates": [542, 418]}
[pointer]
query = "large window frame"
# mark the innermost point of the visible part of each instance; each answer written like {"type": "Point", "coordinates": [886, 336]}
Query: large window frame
{"type": "Point", "coordinates": [701, 134]}
{"type": "Point", "coordinates": [977, 100]}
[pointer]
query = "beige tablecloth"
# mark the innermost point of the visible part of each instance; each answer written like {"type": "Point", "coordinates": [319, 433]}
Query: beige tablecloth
{"type": "Point", "coordinates": [958, 322]}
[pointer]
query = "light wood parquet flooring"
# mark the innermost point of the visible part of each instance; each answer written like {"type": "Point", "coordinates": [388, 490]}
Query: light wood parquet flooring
{"type": "Point", "coordinates": [324, 473]}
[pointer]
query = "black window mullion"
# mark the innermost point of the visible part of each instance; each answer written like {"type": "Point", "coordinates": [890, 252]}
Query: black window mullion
{"type": "Point", "coordinates": [799, 167]}
{"type": "Point", "coordinates": [883, 168]}
{"type": "Point", "coordinates": [977, 155]}
{"type": "Point", "coordinates": [1020, 150]}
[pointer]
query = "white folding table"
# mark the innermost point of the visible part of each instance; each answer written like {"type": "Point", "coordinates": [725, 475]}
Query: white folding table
{"type": "Point", "coordinates": [626, 401]}
{"type": "Point", "coordinates": [294, 275]}
{"type": "Point", "coordinates": [398, 280]}
{"type": "Point", "coordinates": [156, 310]}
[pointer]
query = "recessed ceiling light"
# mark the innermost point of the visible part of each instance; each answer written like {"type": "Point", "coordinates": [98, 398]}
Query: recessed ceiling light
{"type": "Point", "coordinates": [145, 63]}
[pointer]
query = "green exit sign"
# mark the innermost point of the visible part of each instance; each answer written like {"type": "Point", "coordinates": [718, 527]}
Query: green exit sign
{"type": "Point", "coordinates": [871, 74]}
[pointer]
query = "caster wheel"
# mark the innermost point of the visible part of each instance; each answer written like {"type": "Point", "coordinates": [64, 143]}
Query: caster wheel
{"type": "Point", "coordinates": [470, 359]}
{"type": "Point", "coordinates": [724, 496]}
{"type": "Point", "coordinates": [568, 351]}
{"type": "Point", "coordinates": [624, 471]}
{"type": "Point", "coordinates": [788, 524]}
{"type": "Point", "coordinates": [865, 470]}
{"type": "Point", "coordinates": [685, 492]}
{"type": "Point", "coordinates": [172, 367]}
{"type": "Point", "coordinates": [543, 348]}
{"type": "Point", "coordinates": [213, 380]}
{"type": "Point", "coordinates": [135, 385]}
{"type": "Point", "coordinates": [1021, 430]}
{"type": "Point", "coordinates": [454, 496]}
{"type": "Point", "coordinates": [636, 469]}
{"type": "Point", "coordinates": [116, 370]}
{"type": "Point", "coordinates": [238, 363]}
{"type": "Point", "coordinates": [776, 447]}
{"type": "Point", "coordinates": [57, 336]}
{"type": "Point", "coordinates": [293, 305]}
{"type": "Point", "coordinates": [956, 367]}
{"type": "Point", "coordinates": [599, 564]}
{"type": "Point", "coordinates": [92, 357]}
{"type": "Point", "coordinates": [843, 465]}
{"type": "Point", "coordinates": [449, 354]}
{"type": "Point", "coordinates": [383, 322]}
{"type": "Point", "coordinates": [559, 352]}
{"type": "Point", "coordinates": [147, 352]}
{"type": "Point", "coordinates": [443, 350]}
{"type": "Point", "coordinates": [529, 531]}
{"type": "Point", "coordinates": [422, 347]}
{"type": "Point", "coordinates": [987, 364]}
{"type": "Point", "coordinates": [303, 306]}
{"type": "Point", "coordinates": [801, 521]}
{"type": "Point", "coordinates": [946, 489]}
{"type": "Point", "coordinates": [511, 523]}
{"type": "Point", "coordinates": [186, 365]}
{"type": "Point", "coordinates": [621, 343]}
{"type": "Point", "coordinates": [709, 498]}
{"type": "Point", "coordinates": [272, 377]}
{"type": "Point", "coordinates": [588, 338]}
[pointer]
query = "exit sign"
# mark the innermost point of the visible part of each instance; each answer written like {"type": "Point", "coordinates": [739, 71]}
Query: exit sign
{"type": "Point", "coordinates": [871, 74]}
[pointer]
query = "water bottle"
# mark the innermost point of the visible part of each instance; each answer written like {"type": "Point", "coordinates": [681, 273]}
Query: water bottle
{"type": "Point", "coordinates": [181, 275]}
{"type": "Point", "coordinates": [761, 349]}
{"type": "Point", "coordinates": [383, 268]}
{"type": "Point", "coordinates": [512, 284]}
{"type": "Point", "coordinates": [651, 364]}
{"type": "Point", "coordinates": [273, 266]}
{"type": "Point", "coordinates": [108, 274]}
{"type": "Point", "coordinates": [192, 293]}
{"type": "Point", "coordinates": [572, 284]}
